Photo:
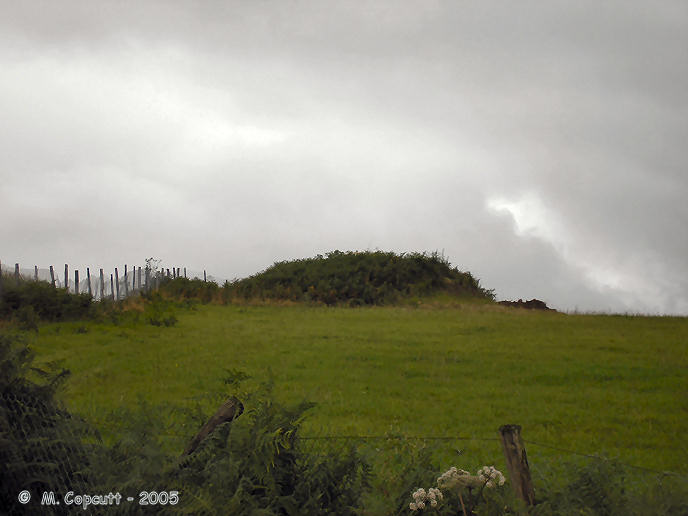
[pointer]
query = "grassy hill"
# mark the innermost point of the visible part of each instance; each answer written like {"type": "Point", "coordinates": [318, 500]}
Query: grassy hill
{"type": "Point", "coordinates": [614, 386]}
{"type": "Point", "coordinates": [392, 377]}
{"type": "Point", "coordinates": [360, 278]}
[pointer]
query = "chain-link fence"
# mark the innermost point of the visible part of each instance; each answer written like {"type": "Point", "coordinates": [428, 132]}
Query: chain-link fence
{"type": "Point", "coordinates": [43, 450]}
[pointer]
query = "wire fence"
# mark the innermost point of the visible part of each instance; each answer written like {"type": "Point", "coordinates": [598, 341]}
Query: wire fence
{"type": "Point", "coordinates": [43, 444]}
{"type": "Point", "coordinates": [100, 283]}
{"type": "Point", "coordinates": [54, 449]}
{"type": "Point", "coordinates": [390, 439]}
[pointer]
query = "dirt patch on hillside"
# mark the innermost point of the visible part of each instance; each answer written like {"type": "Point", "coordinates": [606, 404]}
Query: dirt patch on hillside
{"type": "Point", "coordinates": [533, 304]}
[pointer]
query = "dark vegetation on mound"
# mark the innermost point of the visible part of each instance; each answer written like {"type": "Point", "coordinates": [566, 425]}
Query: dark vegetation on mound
{"type": "Point", "coordinates": [359, 278]}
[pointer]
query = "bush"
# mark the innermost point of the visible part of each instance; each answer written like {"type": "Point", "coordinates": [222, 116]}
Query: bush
{"type": "Point", "coordinates": [602, 488]}
{"type": "Point", "coordinates": [47, 302]}
{"type": "Point", "coordinates": [159, 311]}
{"type": "Point", "coordinates": [41, 445]}
{"type": "Point", "coordinates": [262, 468]}
{"type": "Point", "coordinates": [354, 278]}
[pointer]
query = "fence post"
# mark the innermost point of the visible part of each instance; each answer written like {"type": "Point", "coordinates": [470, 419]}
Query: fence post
{"type": "Point", "coordinates": [133, 279]}
{"type": "Point", "coordinates": [126, 283]}
{"type": "Point", "coordinates": [35, 272]}
{"type": "Point", "coordinates": [16, 271]}
{"type": "Point", "coordinates": [66, 277]}
{"type": "Point", "coordinates": [517, 463]}
{"type": "Point", "coordinates": [185, 272]}
{"type": "Point", "coordinates": [112, 287]}
{"type": "Point", "coordinates": [117, 282]}
{"type": "Point", "coordinates": [102, 285]}
{"type": "Point", "coordinates": [139, 278]}
{"type": "Point", "coordinates": [204, 277]}
{"type": "Point", "coordinates": [52, 276]}
{"type": "Point", "coordinates": [147, 280]}
{"type": "Point", "coordinates": [76, 282]}
{"type": "Point", "coordinates": [228, 411]}
{"type": "Point", "coordinates": [88, 276]}
{"type": "Point", "coordinates": [0, 280]}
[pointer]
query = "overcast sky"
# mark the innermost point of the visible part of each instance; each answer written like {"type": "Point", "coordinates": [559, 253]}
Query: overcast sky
{"type": "Point", "coordinates": [543, 146]}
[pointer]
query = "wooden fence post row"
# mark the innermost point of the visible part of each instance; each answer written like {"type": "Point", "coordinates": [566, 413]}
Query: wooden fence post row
{"type": "Point", "coordinates": [139, 281]}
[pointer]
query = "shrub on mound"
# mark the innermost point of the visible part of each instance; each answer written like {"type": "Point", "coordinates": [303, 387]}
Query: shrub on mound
{"type": "Point", "coordinates": [359, 278]}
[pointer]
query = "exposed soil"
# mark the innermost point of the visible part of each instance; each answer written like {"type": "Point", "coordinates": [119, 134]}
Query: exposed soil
{"type": "Point", "coordinates": [533, 304]}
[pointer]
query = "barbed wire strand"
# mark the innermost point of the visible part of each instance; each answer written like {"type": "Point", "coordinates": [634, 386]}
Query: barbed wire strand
{"type": "Point", "coordinates": [398, 437]}
{"type": "Point", "coordinates": [460, 438]}
{"type": "Point", "coordinates": [597, 457]}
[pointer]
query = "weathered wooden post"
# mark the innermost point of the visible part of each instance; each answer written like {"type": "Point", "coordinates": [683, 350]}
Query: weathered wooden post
{"type": "Point", "coordinates": [102, 285]}
{"type": "Point", "coordinates": [67, 277]}
{"type": "Point", "coordinates": [117, 282]}
{"type": "Point", "coordinates": [185, 272]}
{"type": "Point", "coordinates": [204, 277]}
{"type": "Point", "coordinates": [16, 271]}
{"type": "Point", "coordinates": [35, 272]}
{"type": "Point", "coordinates": [147, 280]}
{"type": "Point", "coordinates": [230, 410]}
{"type": "Point", "coordinates": [139, 278]}
{"type": "Point", "coordinates": [112, 287]}
{"type": "Point", "coordinates": [76, 282]}
{"type": "Point", "coordinates": [88, 277]}
{"type": "Point", "coordinates": [133, 279]}
{"type": "Point", "coordinates": [52, 275]}
{"type": "Point", "coordinates": [517, 463]}
{"type": "Point", "coordinates": [126, 283]}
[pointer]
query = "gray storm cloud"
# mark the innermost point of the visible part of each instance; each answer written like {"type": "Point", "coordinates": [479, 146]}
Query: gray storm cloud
{"type": "Point", "coordinates": [541, 146]}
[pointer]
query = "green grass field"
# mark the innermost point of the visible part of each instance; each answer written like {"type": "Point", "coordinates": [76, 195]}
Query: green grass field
{"type": "Point", "coordinates": [596, 384]}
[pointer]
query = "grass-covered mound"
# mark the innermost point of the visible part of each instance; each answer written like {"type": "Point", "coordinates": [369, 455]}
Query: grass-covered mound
{"type": "Point", "coordinates": [359, 278]}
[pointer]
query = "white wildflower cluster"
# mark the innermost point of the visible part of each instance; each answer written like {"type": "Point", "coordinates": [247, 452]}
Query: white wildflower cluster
{"type": "Point", "coordinates": [454, 478]}
{"type": "Point", "coordinates": [491, 476]}
{"type": "Point", "coordinates": [421, 497]}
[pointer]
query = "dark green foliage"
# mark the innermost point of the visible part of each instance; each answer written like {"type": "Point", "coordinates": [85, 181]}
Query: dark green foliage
{"type": "Point", "coordinates": [47, 302]}
{"type": "Point", "coordinates": [27, 317]}
{"type": "Point", "coordinates": [602, 488]}
{"type": "Point", "coordinates": [358, 278]}
{"type": "Point", "coordinates": [256, 465]}
{"type": "Point", "coordinates": [41, 445]}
